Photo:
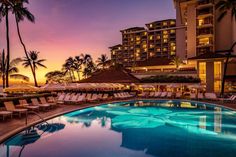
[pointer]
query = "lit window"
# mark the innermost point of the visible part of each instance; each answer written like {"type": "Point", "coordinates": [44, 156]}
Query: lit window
{"type": "Point", "coordinates": [217, 76]}
{"type": "Point", "coordinates": [151, 54]}
{"type": "Point", "coordinates": [150, 25]}
{"type": "Point", "coordinates": [119, 48]}
{"type": "Point", "coordinates": [165, 36]}
{"type": "Point", "coordinates": [151, 45]}
{"type": "Point", "coordinates": [172, 44]}
{"type": "Point", "coordinates": [165, 32]}
{"type": "Point", "coordinates": [172, 53]}
{"type": "Point", "coordinates": [158, 50]}
{"type": "Point", "coordinates": [172, 22]}
{"type": "Point", "coordinates": [151, 37]}
{"type": "Point", "coordinates": [113, 52]}
{"type": "Point", "coordinates": [165, 40]}
{"type": "Point", "coordinates": [204, 41]}
{"type": "Point", "coordinates": [145, 33]}
{"type": "Point", "coordinates": [137, 38]}
{"type": "Point", "coordinates": [164, 49]}
{"type": "Point", "coordinates": [172, 31]}
{"type": "Point", "coordinates": [144, 46]}
{"type": "Point", "coordinates": [137, 50]}
{"type": "Point", "coordinates": [158, 37]}
{"type": "Point", "coordinates": [202, 71]}
{"type": "Point", "coordinates": [173, 48]}
{"type": "Point", "coordinates": [164, 23]}
{"type": "Point", "coordinates": [200, 22]}
{"type": "Point", "coordinates": [132, 39]}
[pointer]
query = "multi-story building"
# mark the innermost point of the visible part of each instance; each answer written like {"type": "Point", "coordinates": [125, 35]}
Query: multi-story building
{"type": "Point", "coordinates": [162, 38]}
{"type": "Point", "coordinates": [205, 36]}
{"type": "Point", "coordinates": [117, 54]}
{"type": "Point", "coordinates": [140, 44]}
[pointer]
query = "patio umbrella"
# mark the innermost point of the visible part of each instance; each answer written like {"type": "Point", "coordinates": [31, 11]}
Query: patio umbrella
{"type": "Point", "coordinates": [21, 88]}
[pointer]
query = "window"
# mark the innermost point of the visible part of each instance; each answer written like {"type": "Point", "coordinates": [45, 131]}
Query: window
{"type": "Point", "coordinates": [202, 71]}
{"type": "Point", "coordinates": [151, 38]}
{"type": "Point", "coordinates": [165, 32]}
{"type": "Point", "coordinates": [217, 76]}
{"type": "Point", "coordinates": [165, 36]}
{"type": "Point", "coordinates": [172, 31]}
{"type": "Point", "coordinates": [165, 40]}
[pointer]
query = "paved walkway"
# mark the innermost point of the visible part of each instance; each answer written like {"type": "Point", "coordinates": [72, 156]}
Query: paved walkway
{"type": "Point", "coordinates": [11, 127]}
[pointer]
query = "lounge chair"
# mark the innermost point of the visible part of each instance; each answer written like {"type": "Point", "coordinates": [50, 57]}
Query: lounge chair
{"type": "Point", "coordinates": [105, 97]}
{"type": "Point", "coordinates": [10, 107]}
{"type": "Point", "coordinates": [80, 98]}
{"type": "Point", "coordinates": [211, 96]}
{"type": "Point", "coordinates": [100, 96]}
{"type": "Point", "coordinates": [200, 96]}
{"type": "Point", "coordinates": [157, 94]}
{"type": "Point", "coordinates": [178, 95]}
{"type": "Point", "coordinates": [88, 96]}
{"type": "Point", "coordinates": [192, 96]}
{"type": "Point", "coordinates": [5, 114]}
{"type": "Point", "coordinates": [67, 97]}
{"type": "Point", "coordinates": [24, 104]}
{"type": "Point", "coordinates": [169, 94]}
{"type": "Point", "coordinates": [41, 106]}
{"type": "Point", "coordinates": [93, 98]}
{"type": "Point", "coordinates": [151, 94]}
{"type": "Point", "coordinates": [44, 101]}
{"type": "Point", "coordinates": [51, 99]}
{"type": "Point", "coordinates": [60, 99]}
{"type": "Point", "coordinates": [163, 94]}
{"type": "Point", "coordinates": [231, 98]}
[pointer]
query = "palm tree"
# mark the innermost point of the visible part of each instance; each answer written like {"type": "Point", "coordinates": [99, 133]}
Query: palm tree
{"type": "Point", "coordinates": [20, 12]}
{"type": "Point", "coordinates": [4, 12]}
{"type": "Point", "coordinates": [226, 7]}
{"type": "Point", "coordinates": [13, 70]}
{"type": "Point", "coordinates": [78, 65]}
{"type": "Point", "coordinates": [70, 64]}
{"type": "Point", "coordinates": [177, 62]}
{"type": "Point", "coordinates": [55, 76]}
{"type": "Point", "coordinates": [102, 61]}
{"type": "Point", "coordinates": [35, 62]}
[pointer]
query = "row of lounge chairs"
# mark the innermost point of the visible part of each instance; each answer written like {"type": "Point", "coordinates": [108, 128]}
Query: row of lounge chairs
{"type": "Point", "coordinates": [23, 107]}
{"type": "Point", "coordinates": [123, 95]}
{"type": "Point", "coordinates": [157, 94]}
{"type": "Point", "coordinates": [80, 97]}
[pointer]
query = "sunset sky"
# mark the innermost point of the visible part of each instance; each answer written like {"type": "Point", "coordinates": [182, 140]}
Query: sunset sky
{"type": "Point", "coordinates": [66, 28]}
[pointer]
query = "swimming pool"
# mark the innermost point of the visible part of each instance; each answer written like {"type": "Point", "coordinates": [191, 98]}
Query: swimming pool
{"type": "Point", "coordinates": [131, 129]}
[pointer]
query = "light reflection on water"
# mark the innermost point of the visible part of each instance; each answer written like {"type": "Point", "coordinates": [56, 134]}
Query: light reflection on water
{"type": "Point", "coordinates": [132, 129]}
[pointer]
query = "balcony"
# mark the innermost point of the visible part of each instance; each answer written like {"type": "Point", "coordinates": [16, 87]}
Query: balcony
{"type": "Point", "coordinates": [205, 4]}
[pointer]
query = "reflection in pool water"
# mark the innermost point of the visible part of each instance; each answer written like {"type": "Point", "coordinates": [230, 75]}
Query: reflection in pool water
{"type": "Point", "coordinates": [127, 129]}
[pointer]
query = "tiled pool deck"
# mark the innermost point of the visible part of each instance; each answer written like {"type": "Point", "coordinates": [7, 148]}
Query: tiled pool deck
{"type": "Point", "coordinates": [10, 127]}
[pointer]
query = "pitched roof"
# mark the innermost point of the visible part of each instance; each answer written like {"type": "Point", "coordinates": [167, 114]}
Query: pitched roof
{"type": "Point", "coordinates": [154, 61]}
{"type": "Point", "coordinates": [112, 75]}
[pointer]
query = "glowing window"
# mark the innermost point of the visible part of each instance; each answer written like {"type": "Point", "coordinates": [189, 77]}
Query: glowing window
{"type": "Point", "coordinates": [202, 71]}
{"type": "Point", "coordinates": [217, 76]}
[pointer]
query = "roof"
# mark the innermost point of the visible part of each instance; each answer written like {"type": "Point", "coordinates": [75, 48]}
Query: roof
{"type": "Point", "coordinates": [154, 61]}
{"type": "Point", "coordinates": [160, 21]}
{"type": "Point", "coordinates": [115, 46]}
{"type": "Point", "coordinates": [112, 75]}
{"type": "Point", "coordinates": [208, 56]}
{"type": "Point", "coordinates": [134, 29]}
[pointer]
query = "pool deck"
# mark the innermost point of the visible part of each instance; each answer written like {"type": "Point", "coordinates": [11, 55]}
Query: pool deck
{"type": "Point", "coordinates": [11, 127]}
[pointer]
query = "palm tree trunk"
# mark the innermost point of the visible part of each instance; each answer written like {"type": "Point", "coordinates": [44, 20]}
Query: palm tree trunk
{"type": "Point", "coordinates": [24, 47]}
{"type": "Point", "coordinates": [78, 75]}
{"type": "Point", "coordinates": [34, 75]}
{"type": "Point", "coordinates": [3, 69]}
{"type": "Point", "coordinates": [8, 49]}
{"type": "Point", "coordinates": [224, 75]}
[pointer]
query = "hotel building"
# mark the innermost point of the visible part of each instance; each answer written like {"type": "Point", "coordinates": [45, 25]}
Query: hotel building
{"type": "Point", "coordinates": [205, 36]}
{"type": "Point", "coordinates": [158, 39]}
{"type": "Point", "coordinates": [196, 36]}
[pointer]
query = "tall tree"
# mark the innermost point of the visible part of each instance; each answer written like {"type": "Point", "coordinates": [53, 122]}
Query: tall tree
{"type": "Point", "coordinates": [176, 61]}
{"type": "Point", "coordinates": [13, 69]}
{"type": "Point", "coordinates": [78, 65]}
{"type": "Point", "coordinates": [226, 7]}
{"type": "Point", "coordinates": [35, 62]}
{"type": "Point", "coordinates": [21, 13]}
{"type": "Point", "coordinates": [4, 12]}
{"type": "Point", "coordinates": [102, 61]}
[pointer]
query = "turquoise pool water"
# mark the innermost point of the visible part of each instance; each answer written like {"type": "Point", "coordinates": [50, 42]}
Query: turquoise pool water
{"type": "Point", "coordinates": [131, 129]}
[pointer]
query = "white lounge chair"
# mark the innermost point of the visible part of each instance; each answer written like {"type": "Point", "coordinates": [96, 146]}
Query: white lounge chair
{"type": "Point", "coordinates": [10, 107]}
{"type": "Point", "coordinates": [169, 94]}
{"type": "Point", "coordinates": [178, 95]}
{"type": "Point", "coordinates": [163, 94]}
{"type": "Point", "coordinates": [24, 104]}
{"type": "Point", "coordinates": [211, 96]}
{"type": "Point", "coordinates": [231, 98]}
{"type": "Point", "coordinates": [192, 96]}
{"type": "Point", "coordinates": [200, 96]}
{"type": "Point", "coordinates": [41, 106]}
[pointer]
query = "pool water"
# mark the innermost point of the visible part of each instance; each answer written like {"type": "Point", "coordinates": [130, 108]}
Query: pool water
{"type": "Point", "coordinates": [131, 129]}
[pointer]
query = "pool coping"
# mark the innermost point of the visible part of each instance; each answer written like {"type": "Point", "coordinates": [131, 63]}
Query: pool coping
{"type": "Point", "coordinates": [19, 129]}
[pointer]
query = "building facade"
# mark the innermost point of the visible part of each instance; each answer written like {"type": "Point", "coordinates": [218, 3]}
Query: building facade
{"type": "Point", "coordinates": [158, 39]}
{"type": "Point", "coordinates": [205, 36]}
